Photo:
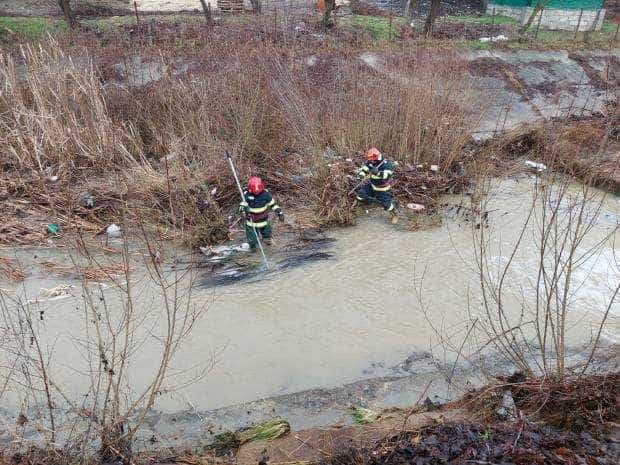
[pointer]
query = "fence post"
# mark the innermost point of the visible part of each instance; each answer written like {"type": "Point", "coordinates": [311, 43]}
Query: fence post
{"type": "Point", "coordinates": [578, 25]}
{"type": "Point", "coordinates": [135, 8]}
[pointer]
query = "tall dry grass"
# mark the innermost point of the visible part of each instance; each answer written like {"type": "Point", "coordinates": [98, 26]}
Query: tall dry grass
{"type": "Point", "coordinates": [161, 144]}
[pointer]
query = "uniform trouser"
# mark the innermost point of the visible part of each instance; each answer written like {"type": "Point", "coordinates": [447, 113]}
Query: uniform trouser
{"type": "Point", "coordinates": [250, 234]}
{"type": "Point", "coordinates": [367, 193]}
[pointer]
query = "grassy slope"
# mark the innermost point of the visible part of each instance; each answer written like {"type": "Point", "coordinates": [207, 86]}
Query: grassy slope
{"type": "Point", "coordinates": [380, 28]}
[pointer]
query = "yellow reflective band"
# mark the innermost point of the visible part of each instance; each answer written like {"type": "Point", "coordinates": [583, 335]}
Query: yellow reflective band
{"type": "Point", "coordinates": [261, 224]}
{"type": "Point", "coordinates": [259, 209]}
{"type": "Point", "coordinates": [381, 189]}
{"type": "Point", "coordinates": [378, 176]}
{"type": "Point", "coordinates": [275, 206]}
{"type": "Point", "coordinates": [365, 169]}
{"type": "Point", "coordinates": [387, 173]}
{"type": "Point", "coordinates": [271, 202]}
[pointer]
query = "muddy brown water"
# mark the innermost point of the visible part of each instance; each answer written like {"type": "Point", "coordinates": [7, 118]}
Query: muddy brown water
{"type": "Point", "coordinates": [325, 323]}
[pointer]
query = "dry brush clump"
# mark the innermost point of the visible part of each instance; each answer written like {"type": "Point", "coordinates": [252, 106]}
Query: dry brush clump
{"type": "Point", "coordinates": [155, 152]}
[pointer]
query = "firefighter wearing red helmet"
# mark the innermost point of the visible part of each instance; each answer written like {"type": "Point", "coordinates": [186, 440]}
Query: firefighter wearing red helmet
{"type": "Point", "coordinates": [256, 205]}
{"type": "Point", "coordinates": [379, 186]}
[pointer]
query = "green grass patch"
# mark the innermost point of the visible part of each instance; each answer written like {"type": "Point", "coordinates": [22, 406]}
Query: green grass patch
{"type": "Point", "coordinates": [380, 28]}
{"type": "Point", "coordinates": [31, 28]}
{"type": "Point", "coordinates": [265, 431]}
{"type": "Point", "coordinates": [609, 27]}
{"type": "Point", "coordinates": [363, 416]}
{"type": "Point", "coordinates": [485, 19]}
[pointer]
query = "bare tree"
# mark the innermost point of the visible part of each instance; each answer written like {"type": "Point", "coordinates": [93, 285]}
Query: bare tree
{"type": "Point", "coordinates": [330, 6]}
{"type": "Point", "coordinates": [410, 7]}
{"type": "Point", "coordinates": [433, 13]}
{"type": "Point", "coordinates": [256, 6]}
{"type": "Point", "coordinates": [65, 6]}
{"type": "Point", "coordinates": [538, 9]}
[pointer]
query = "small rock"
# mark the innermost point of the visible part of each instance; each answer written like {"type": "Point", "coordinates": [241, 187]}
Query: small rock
{"type": "Point", "coordinates": [87, 200]}
{"type": "Point", "coordinates": [508, 409]}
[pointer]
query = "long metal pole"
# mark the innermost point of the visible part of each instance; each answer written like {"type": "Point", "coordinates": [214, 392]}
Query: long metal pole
{"type": "Point", "coordinates": [234, 172]}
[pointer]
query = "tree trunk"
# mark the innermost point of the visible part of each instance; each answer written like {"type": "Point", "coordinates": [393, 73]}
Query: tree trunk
{"type": "Point", "coordinates": [206, 8]}
{"type": "Point", "coordinates": [537, 9]}
{"type": "Point", "coordinates": [256, 6]}
{"type": "Point", "coordinates": [65, 6]}
{"type": "Point", "coordinates": [330, 5]}
{"type": "Point", "coordinates": [433, 13]}
{"type": "Point", "coordinates": [410, 8]}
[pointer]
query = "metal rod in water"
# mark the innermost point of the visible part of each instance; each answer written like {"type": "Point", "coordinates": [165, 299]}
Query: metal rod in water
{"type": "Point", "coordinates": [234, 172]}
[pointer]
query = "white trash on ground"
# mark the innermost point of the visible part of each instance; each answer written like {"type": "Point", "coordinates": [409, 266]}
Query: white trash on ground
{"type": "Point", "coordinates": [113, 231]}
{"type": "Point", "coordinates": [539, 167]}
{"type": "Point", "coordinates": [499, 38]}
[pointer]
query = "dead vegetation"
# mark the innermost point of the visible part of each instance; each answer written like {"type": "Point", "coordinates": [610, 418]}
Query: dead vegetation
{"type": "Point", "coordinates": [71, 135]}
{"type": "Point", "coordinates": [95, 272]}
{"type": "Point", "coordinates": [11, 270]}
{"type": "Point", "coordinates": [575, 404]}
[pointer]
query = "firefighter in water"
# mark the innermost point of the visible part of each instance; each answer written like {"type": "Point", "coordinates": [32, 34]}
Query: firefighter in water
{"type": "Point", "coordinates": [379, 187]}
{"type": "Point", "coordinates": [256, 206]}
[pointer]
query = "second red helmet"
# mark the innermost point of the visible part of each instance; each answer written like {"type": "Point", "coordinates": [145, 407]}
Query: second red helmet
{"type": "Point", "coordinates": [255, 185]}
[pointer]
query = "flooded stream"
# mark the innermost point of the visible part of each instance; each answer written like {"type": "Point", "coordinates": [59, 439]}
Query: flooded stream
{"type": "Point", "coordinates": [323, 324]}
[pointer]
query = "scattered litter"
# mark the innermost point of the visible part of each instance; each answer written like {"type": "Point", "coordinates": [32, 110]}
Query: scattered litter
{"type": "Point", "coordinates": [87, 200]}
{"type": "Point", "coordinates": [499, 38]}
{"type": "Point", "coordinates": [311, 60]}
{"type": "Point", "coordinates": [416, 207]}
{"type": "Point", "coordinates": [221, 252]}
{"type": "Point", "coordinates": [113, 231]}
{"type": "Point", "coordinates": [53, 228]}
{"type": "Point", "coordinates": [435, 168]}
{"type": "Point", "coordinates": [363, 415]}
{"type": "Point", "coordinates": [214, 191]}
{"type": "Point", "coordinates": [60, 290]}
{"type": "Point", "coordinates": [53, 178]}
{"type": "Point", "coordinates": [538, 167]}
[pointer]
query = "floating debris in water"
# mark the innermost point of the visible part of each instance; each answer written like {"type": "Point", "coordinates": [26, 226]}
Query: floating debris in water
{"type": "Point", "coordinates": [234, 268]}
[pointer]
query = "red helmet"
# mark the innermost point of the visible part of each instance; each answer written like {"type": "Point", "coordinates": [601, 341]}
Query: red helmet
{"type": "Point", "coordinates": [373, 154]}
{"type": "Point", "coordinates": [255, 185]}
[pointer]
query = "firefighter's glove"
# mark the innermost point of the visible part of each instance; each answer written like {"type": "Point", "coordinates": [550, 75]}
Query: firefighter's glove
{"type": "Point", "coordinates": [280, 214]}
{"type": "Point", "coordinates": [361, 175]}
{"type": "Point", "coordinates": [244, 208]}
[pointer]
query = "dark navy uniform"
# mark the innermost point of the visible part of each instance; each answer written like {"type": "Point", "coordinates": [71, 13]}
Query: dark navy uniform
{"type": "Point", "coordinates": [257, 208]}
{"type": "Point", "coordinates": [379, 187]}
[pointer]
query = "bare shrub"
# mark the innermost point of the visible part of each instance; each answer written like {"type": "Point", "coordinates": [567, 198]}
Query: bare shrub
{"type": "Point", "coordinates": [117, 326]}
{"type": "Point", "coordinates": [54, 116]}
